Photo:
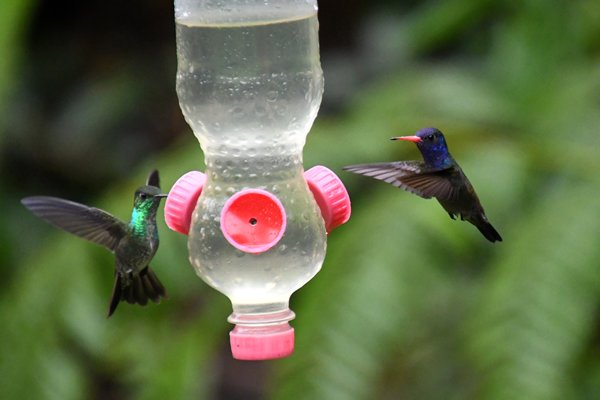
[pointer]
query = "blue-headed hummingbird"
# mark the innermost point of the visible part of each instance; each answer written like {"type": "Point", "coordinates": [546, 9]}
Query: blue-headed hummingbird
{"type": "Point", "coordinates": [438, 175]}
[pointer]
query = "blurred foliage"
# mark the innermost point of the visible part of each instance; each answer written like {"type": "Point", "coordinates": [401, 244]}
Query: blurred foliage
{"type": "Point", "coordinates": [409, 304]}
{"type": "Point", "coordinates": [13, 21]}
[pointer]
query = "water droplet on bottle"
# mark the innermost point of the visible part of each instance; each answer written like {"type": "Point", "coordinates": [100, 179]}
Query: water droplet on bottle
{"type": "Point", "coordinates": [237, 112]}
{"type": "Point", "coordinates": [260, 111]}
{"type": "Point", "coordinates": [239, 253]}
{"type": "Point", "coordinates": [270, 285]}
{"type": "Point", "coordinates": [272, 95]}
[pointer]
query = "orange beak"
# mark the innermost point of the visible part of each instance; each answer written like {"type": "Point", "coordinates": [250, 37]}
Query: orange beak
{"type": "Point", "coordinates": [414, 139]}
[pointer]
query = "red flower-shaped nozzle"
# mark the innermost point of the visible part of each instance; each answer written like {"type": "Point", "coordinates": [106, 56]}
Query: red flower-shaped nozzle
{"type": "Point", "coordinates": [253, 220]}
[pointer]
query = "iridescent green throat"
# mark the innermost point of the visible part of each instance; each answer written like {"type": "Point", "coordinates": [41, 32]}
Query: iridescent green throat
{"type": "Point", "coordinates": [139, 218]}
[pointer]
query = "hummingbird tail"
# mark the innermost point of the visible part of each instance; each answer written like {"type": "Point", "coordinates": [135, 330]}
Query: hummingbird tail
{"type": "Point", "coordinates": [486, 228]}
{"type": "Point", "coordinates": [138, 290]}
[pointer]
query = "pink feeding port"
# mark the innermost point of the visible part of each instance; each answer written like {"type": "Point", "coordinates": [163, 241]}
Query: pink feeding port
{"type": "Point", "coordinates": [331, 196]}
{"type": "Point", "coordinates": [253, 220]}
{"type": "Point", "coordinates": [182, 200]}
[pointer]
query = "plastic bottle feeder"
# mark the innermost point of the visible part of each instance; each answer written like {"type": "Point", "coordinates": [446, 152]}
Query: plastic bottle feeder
{"type": "Point", "coordinates": [250, 84]}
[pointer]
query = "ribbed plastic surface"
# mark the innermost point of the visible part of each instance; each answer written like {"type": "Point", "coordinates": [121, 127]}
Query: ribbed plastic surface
{"type": "Point", "coordinates": [267, 345]}
{"type": "Point", "coordinates": [331, 196]}
{"type": "Point", "coordinates": [182, 200]}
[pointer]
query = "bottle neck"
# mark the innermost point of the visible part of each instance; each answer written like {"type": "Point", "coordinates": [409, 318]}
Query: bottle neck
{"type": "Point", "coordinates": [259, 316]}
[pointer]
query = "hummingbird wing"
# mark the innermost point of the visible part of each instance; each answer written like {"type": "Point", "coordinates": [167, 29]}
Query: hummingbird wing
{"type": "Point", "coordinates": [153, 179]}
{"type": "Point", "coordinates": [433, 184]}
{"type": "Point", "coordinates": [413, 176]}
{"type": "Point", "coordinates": [89, 223]}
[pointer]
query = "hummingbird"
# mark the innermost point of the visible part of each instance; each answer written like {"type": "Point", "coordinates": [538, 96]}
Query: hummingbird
{"type": "Point", "coordinates": [133, 244]}
{"type": "Point", "coordinates": [438, 175]}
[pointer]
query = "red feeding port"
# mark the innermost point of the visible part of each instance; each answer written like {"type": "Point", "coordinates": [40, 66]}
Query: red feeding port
{"type": "Point", "coordinates": [253, 220]}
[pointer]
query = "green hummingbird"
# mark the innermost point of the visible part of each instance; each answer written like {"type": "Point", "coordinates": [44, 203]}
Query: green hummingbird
{"type": "Point", "coordinates": [134, 244]}
{"type": "Point", "coordinates": [438, 175]}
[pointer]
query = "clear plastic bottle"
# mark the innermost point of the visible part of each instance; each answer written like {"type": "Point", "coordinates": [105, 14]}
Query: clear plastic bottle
{"type": "Point", "coordinates": [250, 84]}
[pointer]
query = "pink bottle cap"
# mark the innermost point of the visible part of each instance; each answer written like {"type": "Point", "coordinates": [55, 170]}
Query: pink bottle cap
{"type": "Point", "coordinates": [182, 200]}
{"type": "Point", "coordinates": [251, 344]}
{"type": "Point", "coordinates": [331, 196]}
{"type": "Point", "coordinates": [253, 220]}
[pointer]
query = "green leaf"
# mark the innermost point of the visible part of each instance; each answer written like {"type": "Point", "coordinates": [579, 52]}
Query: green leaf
{"type": "Point", "coordinates": [537, 305]}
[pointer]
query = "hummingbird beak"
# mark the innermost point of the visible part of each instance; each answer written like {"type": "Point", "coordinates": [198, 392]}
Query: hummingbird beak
{"type": "Point", "coordinates": [414, 139]}
{"type": "Point", "coordinates": [161, 196]}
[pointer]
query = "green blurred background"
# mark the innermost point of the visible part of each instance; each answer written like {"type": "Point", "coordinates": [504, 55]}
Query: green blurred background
{"type": "Point", "coordinates": [409, 305]}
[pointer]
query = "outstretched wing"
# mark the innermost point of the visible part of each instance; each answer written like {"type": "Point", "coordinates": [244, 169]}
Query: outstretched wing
{"type": "Point", "coordinates": [86, 222]}
{"type": "Point", "coordinates": [153, 179]}
{"type": "Point", "coordinates": [412, 176]}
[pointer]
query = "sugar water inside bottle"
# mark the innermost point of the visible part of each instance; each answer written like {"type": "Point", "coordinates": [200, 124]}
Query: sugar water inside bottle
{"type": "Point", "coordinates": [250, 92]}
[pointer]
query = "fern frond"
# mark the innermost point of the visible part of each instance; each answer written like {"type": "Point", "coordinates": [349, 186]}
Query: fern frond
{"type": "Point", "coordinates": [537, 305]}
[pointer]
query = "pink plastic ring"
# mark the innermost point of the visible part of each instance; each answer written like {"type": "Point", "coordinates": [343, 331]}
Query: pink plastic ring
{"type": "Point", "coordinates": [253, 220]}
{"type": "Point", "coordinates": [182, 200]}
{"type": "Point", "coordinates": [267, 345]}
{"type": "Point", "coordinates": [331, 196]}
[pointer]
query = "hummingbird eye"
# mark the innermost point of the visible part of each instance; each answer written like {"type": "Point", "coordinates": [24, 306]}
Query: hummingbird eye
{"type": "Point", "coordinates": [429, 137]}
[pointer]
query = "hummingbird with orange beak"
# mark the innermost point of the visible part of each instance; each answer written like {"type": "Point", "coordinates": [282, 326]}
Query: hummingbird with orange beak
{"type": "Point", "coordinates": [438, 176]}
